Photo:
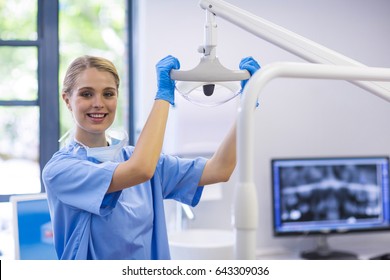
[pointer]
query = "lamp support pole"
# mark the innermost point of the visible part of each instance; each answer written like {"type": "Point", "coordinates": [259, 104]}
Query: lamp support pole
{"type": "Point", "coordinates": [245, 204]}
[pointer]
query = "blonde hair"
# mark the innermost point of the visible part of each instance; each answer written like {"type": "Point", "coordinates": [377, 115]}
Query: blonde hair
{"type": "Point", "coordinates": [84, 62]}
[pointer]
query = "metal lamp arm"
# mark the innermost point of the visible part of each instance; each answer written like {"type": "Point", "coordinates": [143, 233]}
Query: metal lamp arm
{"type": "Point", "coordinates": [289, 41]}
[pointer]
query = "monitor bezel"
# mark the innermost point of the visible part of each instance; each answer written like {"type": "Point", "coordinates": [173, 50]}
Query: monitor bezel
{"type": "Point", "coordinates": [277, 233]}
{"type": "Point", "coordinates": [14, 200]}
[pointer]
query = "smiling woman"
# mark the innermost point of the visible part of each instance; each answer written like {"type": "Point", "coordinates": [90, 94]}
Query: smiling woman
{"type": "Point", "coordinates": [92, 98]}
{"type": "Point", "coordinates": [119, 198]}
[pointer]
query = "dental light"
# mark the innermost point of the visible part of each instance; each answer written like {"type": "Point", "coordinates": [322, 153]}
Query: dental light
{"type": "Point", "coordinates": [289, 41]}
{"type": "Point", "coordinates": [374, 80]}
{"type": "Point", "coordinates": [209, 83]}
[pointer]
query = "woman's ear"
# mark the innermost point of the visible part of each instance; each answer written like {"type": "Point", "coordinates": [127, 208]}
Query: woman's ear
{"type": "Point", "coordinates": [65, 97]}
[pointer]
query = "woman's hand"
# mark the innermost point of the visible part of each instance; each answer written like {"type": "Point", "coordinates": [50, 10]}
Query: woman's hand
{"type": "Point", "coordinates": [165, 85]}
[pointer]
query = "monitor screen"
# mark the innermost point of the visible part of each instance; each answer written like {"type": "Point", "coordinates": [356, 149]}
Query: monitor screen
{"type": "Point", "coordinates": [32, 228]}
{"type": "Point", "coordinates": [330, 195]}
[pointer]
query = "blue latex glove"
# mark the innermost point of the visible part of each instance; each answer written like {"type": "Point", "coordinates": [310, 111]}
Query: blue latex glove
{"type": "Point", "coordinates": [249, 64]}
{"type": "Point", "coordinates": [165, 85]}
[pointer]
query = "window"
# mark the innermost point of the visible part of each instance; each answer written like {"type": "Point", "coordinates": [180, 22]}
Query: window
{"type": "Point", "coordinates": [25, 53]}
{"type": "Point", "coordinates": [34, 58]}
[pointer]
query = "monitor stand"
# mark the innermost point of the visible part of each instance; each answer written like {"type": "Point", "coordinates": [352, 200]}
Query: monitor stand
{"type": "Point", "coordinates": [324, 252]}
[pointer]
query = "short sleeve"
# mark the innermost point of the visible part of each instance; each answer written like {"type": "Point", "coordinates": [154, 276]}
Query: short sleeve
{"type": "Point", "coordinates": [81, 184]}
{"type": "Point", "coordinates": [180, 178]}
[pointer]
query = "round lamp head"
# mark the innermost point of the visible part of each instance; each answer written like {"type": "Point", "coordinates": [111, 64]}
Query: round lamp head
{"type": "Point", "coordinates": [209, 83]}
{"type": "Point", "coordinates": [208, 93]}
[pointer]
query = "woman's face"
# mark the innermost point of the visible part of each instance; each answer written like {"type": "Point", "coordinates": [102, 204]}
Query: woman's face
{"type": "Point", "coordinates": [93, 102]}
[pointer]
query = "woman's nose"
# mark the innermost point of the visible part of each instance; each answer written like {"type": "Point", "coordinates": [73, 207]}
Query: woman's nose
{"type": "Point", "coordinates": [98, 101]}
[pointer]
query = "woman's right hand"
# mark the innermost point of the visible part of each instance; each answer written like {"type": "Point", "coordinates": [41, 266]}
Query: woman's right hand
{"type": "Point", "coordinates": [165, 85]}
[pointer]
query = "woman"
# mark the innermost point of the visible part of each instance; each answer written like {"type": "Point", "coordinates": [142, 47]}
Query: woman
{"type": "Point", "coordinates": [105, 198]}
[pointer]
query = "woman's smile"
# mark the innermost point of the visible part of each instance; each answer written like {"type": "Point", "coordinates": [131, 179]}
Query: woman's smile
{"type": "Point", "coordinates": [97, 117]}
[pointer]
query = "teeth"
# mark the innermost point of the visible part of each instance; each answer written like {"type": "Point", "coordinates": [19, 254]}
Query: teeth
{"type": "Point", "coordinates": [97, 115]}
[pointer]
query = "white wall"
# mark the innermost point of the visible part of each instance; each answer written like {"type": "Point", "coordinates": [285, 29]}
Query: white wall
{"type": "Point", "coordinates": [296, 118]}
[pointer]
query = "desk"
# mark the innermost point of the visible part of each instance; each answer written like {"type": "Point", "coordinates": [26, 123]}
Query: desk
{"type": "Point", "coordinates": [6, 245]}
{"type": "Point", "coordinates": [363, 252]}
{"type": "Point", "coordinates": [6, 238]}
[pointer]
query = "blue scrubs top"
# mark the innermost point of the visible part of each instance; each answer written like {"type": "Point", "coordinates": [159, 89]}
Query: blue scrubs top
{"type": "Point", "coordinates": [128, 224]}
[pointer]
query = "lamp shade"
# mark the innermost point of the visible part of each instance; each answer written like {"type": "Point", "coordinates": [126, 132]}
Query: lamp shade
{"type": "Point", "coordinates": [208, 93]}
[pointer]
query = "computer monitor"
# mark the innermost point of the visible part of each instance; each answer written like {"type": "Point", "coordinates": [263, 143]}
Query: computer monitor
{"type": "Point", "coordinates": [330, 195]}
{"type": "Point", "coordinates": [32, 229]}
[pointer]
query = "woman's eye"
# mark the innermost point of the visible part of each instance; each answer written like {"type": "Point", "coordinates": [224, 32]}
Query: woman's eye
{"type": "Point", "coordinates": [109, 94]}
{"type": "Point", "coordinates": [86, 94]}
